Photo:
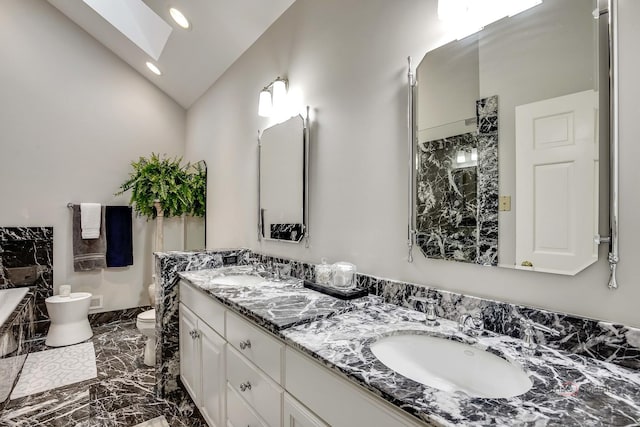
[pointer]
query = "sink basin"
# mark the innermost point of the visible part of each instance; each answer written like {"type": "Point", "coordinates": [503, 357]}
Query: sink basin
{"type": "Point", "coordinates": [451, 366]}
{"type": "Point", "coordinates": [244, 280]}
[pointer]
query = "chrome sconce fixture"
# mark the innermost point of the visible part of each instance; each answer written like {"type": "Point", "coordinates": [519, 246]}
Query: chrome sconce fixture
{"type": "Point", "coordinates": [273, 99]}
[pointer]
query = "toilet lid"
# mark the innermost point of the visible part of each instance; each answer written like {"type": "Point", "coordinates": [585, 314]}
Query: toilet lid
{"type": "Point", "coordinates": [147, 315]}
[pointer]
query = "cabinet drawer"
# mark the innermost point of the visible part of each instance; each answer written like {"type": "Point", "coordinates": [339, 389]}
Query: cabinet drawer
{"type": "Point", "coordinates": [296, 415]}
{"type": "Point", "coordinates": [238, 412]}
{"type": "Point", "coordinates": [263, 350]}
{"type": "Point", "coordinates": [204, 306]}
{"type": "Point", "coordinates": [258, 390]}
{"type": "Point", "coordinates": [322, 391]}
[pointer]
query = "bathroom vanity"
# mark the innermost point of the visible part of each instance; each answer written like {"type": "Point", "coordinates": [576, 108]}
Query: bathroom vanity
{"type": "Point", "coordinates": [259, 352]}
{"type": "Point", "coordinates": [240, 370]}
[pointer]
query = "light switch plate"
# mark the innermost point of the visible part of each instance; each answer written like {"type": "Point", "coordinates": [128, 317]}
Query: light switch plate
{"type": "Point", "coordinates": [505, 203]}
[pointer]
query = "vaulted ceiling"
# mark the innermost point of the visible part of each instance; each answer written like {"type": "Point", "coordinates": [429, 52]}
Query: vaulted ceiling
{"type": "Point", "coordinates": [193, 59]}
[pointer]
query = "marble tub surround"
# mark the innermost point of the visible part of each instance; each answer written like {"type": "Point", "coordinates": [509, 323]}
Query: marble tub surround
{"type": "Point", "coordinates": [20, 321]}
{"type": "Point", "coordinates": [26, 259]}
{"type": "Point", "coordinates": [568, 389]}
{"type": "Point", "coordinates": [167, 267]}
{"type": "Point", "coordinates": [274, 305]}
{"type": "Point", "coordinates": [20, 326]}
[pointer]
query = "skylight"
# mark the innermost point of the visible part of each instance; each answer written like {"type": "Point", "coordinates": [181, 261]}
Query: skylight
{"type": "Point", "coordinates": [136, 21]}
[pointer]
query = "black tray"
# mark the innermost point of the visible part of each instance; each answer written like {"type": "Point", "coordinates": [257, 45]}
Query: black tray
{"type": "Point", "coordinates": [335, 292]}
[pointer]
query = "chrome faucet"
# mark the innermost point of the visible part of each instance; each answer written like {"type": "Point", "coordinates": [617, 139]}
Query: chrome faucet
{"type": "Point", "coordinates": [528, 334]}
{"type": "Point", "coordinates": [471, 325]}
{"type": "Point", "coordinates": [431, 318]}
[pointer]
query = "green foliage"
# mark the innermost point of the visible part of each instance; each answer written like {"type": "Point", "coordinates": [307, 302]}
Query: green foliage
{"type": "Point", "coordinates": [181, 189]}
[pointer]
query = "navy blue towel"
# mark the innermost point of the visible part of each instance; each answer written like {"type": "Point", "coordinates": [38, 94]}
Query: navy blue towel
{"type": "Point", "coordinates": [119, 236]}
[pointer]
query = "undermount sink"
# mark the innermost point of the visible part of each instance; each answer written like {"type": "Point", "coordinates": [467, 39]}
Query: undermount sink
{"type": "Point", "coordinates": [451, 366]}
{"type": "Point", "coordinates": [243, 280]}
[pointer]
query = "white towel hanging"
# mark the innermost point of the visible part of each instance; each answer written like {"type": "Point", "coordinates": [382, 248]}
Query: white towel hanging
{"type": "Point", "coordinates": [90, 220]}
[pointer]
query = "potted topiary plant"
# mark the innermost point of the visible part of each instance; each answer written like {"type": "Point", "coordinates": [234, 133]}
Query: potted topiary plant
{"type": "Point", "coordinates": [164, 187]}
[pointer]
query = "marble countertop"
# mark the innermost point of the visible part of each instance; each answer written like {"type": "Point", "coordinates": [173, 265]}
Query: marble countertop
{"type": "Point", "coordinates": [568, 390]}
{"type": "Point", "coordinates": [273, 305]}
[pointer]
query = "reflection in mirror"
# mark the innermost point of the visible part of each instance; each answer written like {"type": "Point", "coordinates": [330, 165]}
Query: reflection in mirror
{"type": "Point", "coordinates": [516, 104]}
{"type": "Point", "coordinates": [282, 186]}
{"type": "Point", "coordinates": [457, 185]}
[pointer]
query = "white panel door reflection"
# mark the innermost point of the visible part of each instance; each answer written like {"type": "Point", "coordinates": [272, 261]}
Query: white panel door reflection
{"type": "Point", "coordinates": [557, 183]}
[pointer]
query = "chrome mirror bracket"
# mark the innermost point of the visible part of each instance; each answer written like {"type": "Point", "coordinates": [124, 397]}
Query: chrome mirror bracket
{"type": "Point", "coordinates": [411, 123]}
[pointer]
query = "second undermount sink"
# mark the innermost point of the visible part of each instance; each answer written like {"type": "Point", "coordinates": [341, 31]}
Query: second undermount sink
{"type": "Point", "coordinates": [451, 366]}
{"type": "Point", "coordinates": [240, 280]}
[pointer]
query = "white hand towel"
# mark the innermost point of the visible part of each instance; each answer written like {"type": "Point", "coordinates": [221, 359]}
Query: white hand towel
{"type": "Point", "coordinates": [90, 218]}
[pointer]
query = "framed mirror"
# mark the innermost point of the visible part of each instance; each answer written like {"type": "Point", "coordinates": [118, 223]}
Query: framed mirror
{"type": "Point", "coordinates": [510, 124]}
{"type": "Point", "coordinates": [283, 181]}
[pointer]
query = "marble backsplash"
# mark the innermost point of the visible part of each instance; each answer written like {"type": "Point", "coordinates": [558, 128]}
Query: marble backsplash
{"type": "Point", "coordinates": [605, 341]}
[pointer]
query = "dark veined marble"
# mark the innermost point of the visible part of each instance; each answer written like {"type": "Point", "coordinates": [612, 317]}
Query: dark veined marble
{"type": "Point", "coordinates": [457, 192]}
{"type": "Point", "coordinates": [26, 259]}
{"type": "Point", "coordinates": [167, 267]}
{"type": "Point", "coordinates": [586, 339]}
{"type": "Point", "coordinates": [618, 344]}
{"type": "Point", "coordinates": [99, 319]}
{"type": "Point", "coordinates": [274, 305]}
{"type": "Point", "coordinates": [568, 389]}
{"type": "Point", "coordinates": [291, 232]}
{"type": "Point", "coordinates": [122, 395]}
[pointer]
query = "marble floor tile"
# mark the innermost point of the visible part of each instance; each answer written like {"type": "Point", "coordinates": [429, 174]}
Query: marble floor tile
{"type": "Point", "coordinates": [122, 394]}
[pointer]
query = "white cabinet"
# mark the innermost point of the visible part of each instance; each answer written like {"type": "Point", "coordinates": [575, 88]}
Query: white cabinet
{"type": "Point", "coordinates": [259, 391]}
{"type": "Point", "coordinates": [261, 348]}
{"type": "Point", "coordinates": [296, 415]}
{"type": "Point", "coordinates": [189, 352]}
{"type": "Point", "coordinates": [202, 358]}
{"type": "Point", "coordinates": [240, 375]}
{"type": "Point", "coordinates": [240, 413]}
{"type": "Point", "coordinates": [212, 376]}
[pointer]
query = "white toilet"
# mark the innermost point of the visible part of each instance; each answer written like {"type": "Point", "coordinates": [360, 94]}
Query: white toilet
{"type": "Point", "coordinates": [146, 323]}
{"type": "Point", "coordinates": [69, 322]}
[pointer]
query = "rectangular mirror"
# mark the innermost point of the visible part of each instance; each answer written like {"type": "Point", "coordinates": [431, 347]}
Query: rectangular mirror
{"type": "Point", "coordinates": [509, 126]}
{"type": "Point", "coordinates": [282, 181]}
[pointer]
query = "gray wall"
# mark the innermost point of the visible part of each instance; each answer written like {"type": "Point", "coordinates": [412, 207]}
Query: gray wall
{"type": "Point", "coordinates": [72, 118]}
{"type": "Point", "coordinates": [349, 60]}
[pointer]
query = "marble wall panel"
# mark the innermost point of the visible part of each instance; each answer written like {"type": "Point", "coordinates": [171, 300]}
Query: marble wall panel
{"type": "Point", "coordinates": [26, 259]}
{"type": "Point", "coordinates": [457, 199]}
{"type": "Point", "coordinates": [167, 267]}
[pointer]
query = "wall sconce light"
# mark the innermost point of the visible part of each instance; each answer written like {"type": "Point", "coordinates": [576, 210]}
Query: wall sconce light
{"type": "Point", "coordinates": [273, 99]}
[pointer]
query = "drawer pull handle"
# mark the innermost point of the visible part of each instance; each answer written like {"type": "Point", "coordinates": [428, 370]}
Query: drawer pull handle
{"type": "Point", "coordinates": [245, 344]}
{"type": "Point", "coordinates": [194, 333]}
{"type": "Point", "coordinates": [245, 386]}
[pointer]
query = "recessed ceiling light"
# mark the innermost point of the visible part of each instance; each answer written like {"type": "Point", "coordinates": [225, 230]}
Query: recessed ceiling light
{"type": "Point", "coordinates": [179, 18]}
{"type": "Point", "coordinates": [154, 69]}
